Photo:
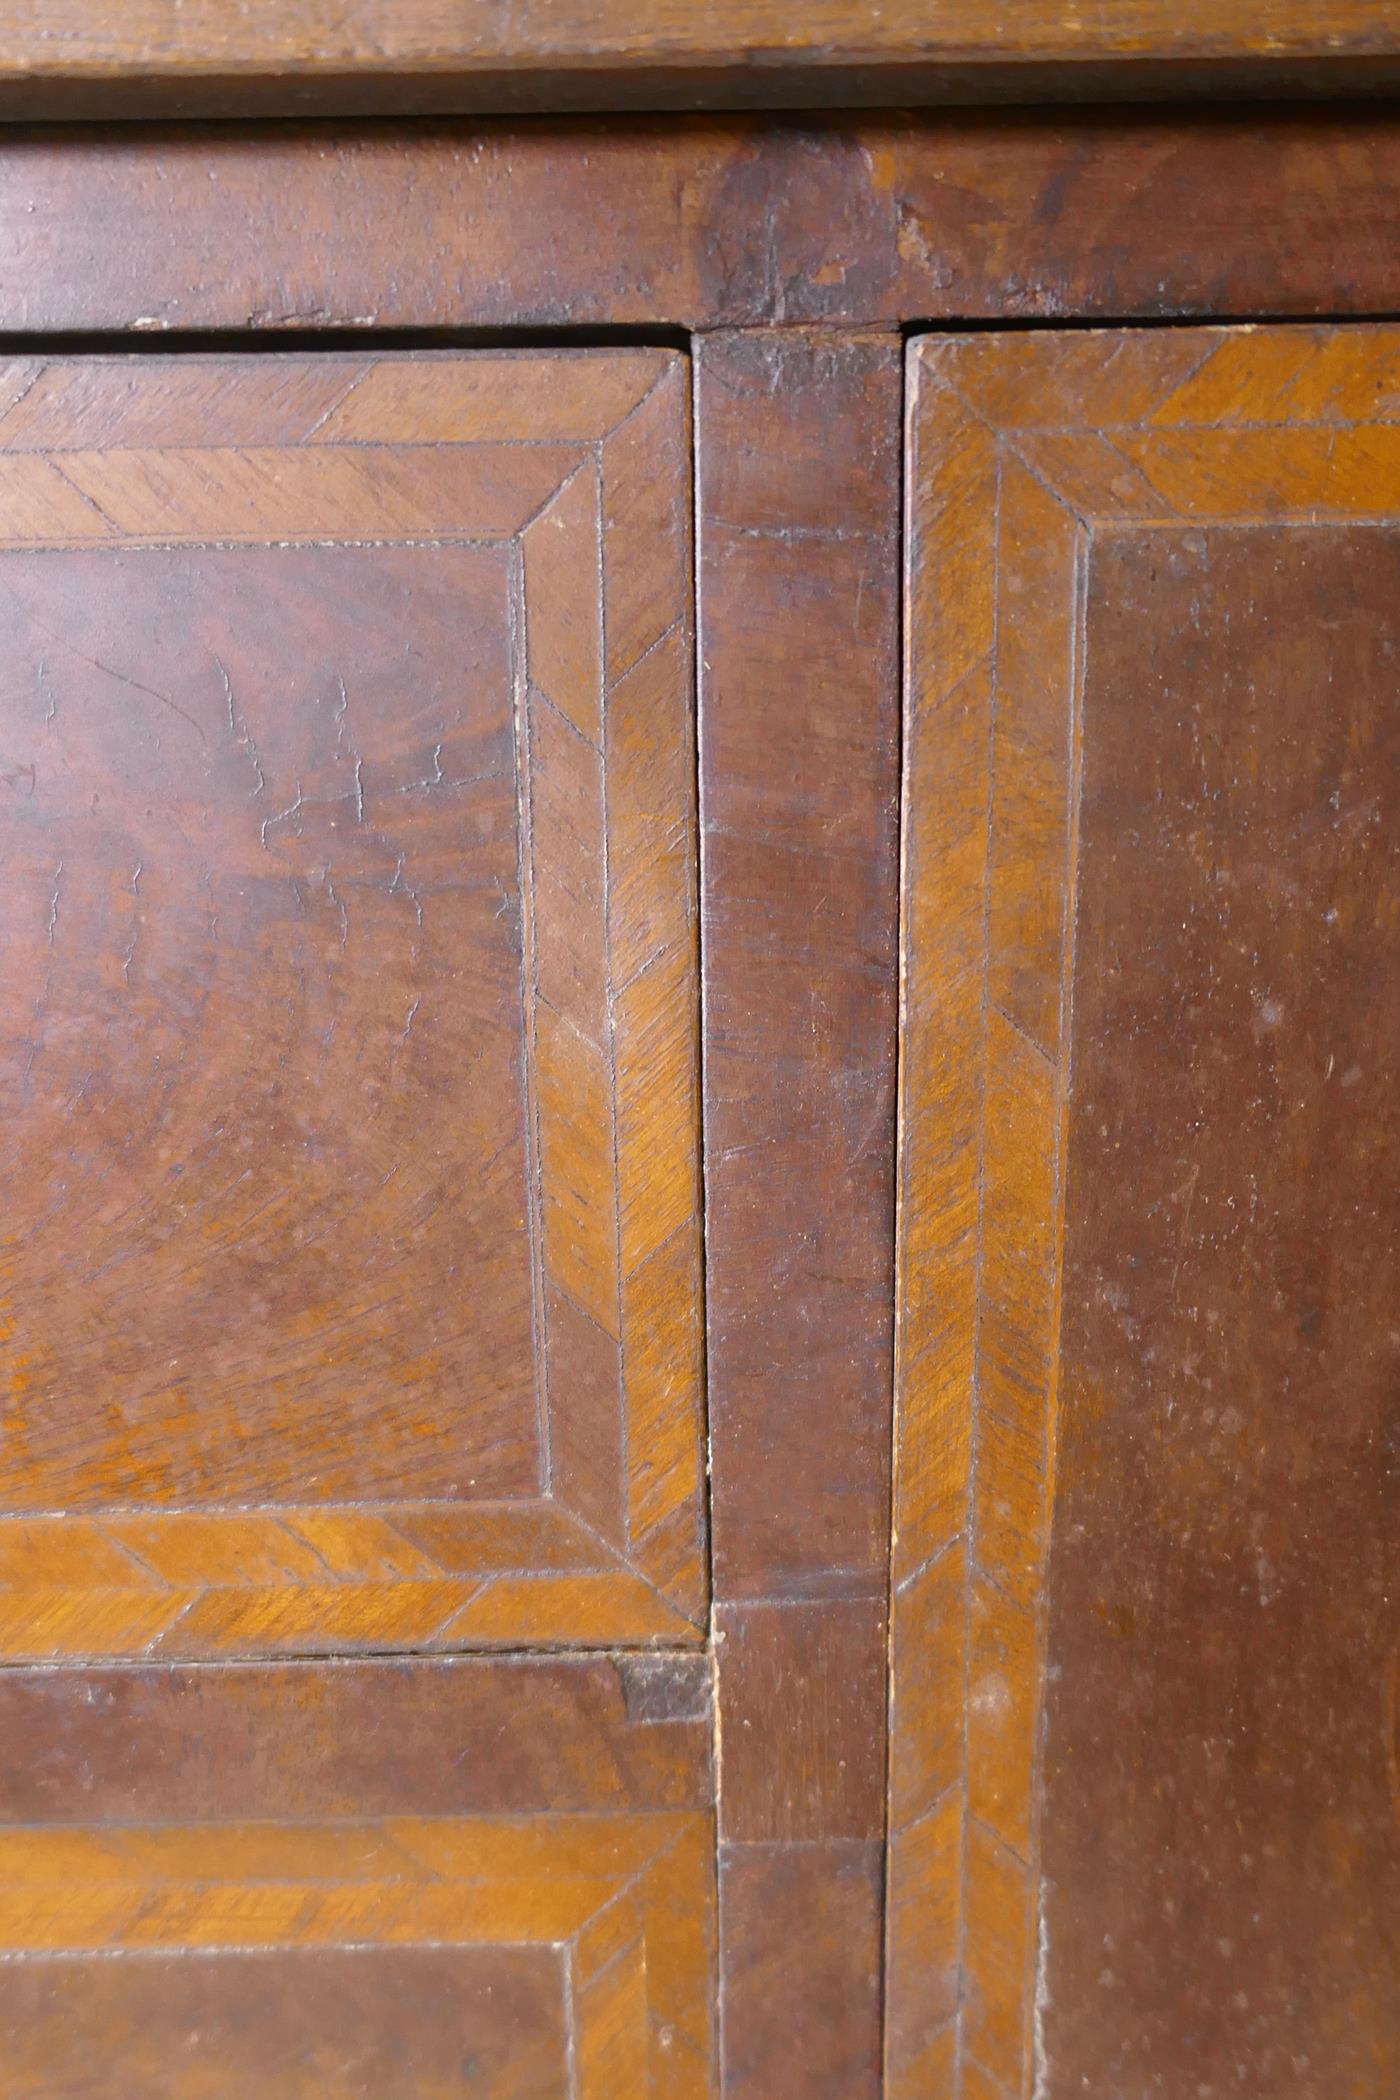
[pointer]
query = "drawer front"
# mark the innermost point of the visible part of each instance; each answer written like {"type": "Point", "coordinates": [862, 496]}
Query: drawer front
{"type": "Point", "coordinates": [351, 1286]}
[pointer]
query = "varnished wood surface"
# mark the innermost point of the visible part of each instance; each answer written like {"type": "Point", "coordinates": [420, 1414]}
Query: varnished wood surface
{"type": "Point", "coordinates": [821, 222]}
{"type": "Point", "coordinates": [1148, 1245]}
{"type": "Point", "coordinates": [381, 1880]}
{"type": "Point", "coordinates": [332, 2023]}
{"type": "Point", "coordinates": [1253, 1655]}
{"type": "Point", "coordinates": [798, 591]}
{"type": "Point", "coordinates": [351, 1264]}
{"type": "Point", "coordinates": [218, 58]}
{"type": "Point", "coordinates": [816, 231]}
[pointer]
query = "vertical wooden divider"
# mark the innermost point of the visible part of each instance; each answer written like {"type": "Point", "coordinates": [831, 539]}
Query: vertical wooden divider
{"type": "Point", "coordinates": [798, 564]}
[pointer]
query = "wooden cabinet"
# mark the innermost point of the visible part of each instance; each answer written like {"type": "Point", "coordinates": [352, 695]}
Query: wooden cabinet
{"type": "Point", "coordinates": [698, 1328]}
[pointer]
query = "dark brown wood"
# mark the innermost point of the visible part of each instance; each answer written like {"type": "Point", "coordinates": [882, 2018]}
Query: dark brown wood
{"type": "Point", "coordinates": [380, 1880]}
{"type": "Point", "coordinates": [800, 1968]}
{"type": "Point", "coordinates": [798, 522]}
{"type": "Point", "coordinates": [1223, 1625]}
{"type": "Point", "coordinates": [351, 1280]}
{"type": "Point", "coordinates": [409, 2020]}
{"type": "Point", "coordinates": [218, 58]}
{"type": "Point", "coordinates": [143, 1742]}
{"type": "Point", "coordinates": [1143, 1782]}
{"type": "Point", "coordinates": [838, 222]}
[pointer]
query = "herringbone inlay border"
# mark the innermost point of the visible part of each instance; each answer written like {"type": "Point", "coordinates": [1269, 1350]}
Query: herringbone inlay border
{"type": "Point", "coordinates": [626, 1899]}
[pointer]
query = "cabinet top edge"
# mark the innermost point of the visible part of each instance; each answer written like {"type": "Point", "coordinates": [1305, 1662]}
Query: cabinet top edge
{"type": "Point", "coordinates": [226, 59]}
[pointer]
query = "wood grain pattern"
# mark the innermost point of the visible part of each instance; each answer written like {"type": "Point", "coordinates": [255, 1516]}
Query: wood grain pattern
{"type": "Point", "coordinates": [288, 1742]}
{"type": "Point", "coordinates": [402, 2021]}
{"type": "Point", "coordinates": [798, 562]}
{"type": "Point", "coordinates": [475, 889]}
{"type": "Point", "coordinates": [441, 1881]}
{"type": "Point", "coordinates": [211, 57]}
{"type": "Point", "coordinates": [1229, 1349]}
{"type": "Point", "coordinates": [822, 222]}
{"type": "Point", "coordinates": [1037, 462]}
{"type": "Point", "coordinates": [536, 1923]}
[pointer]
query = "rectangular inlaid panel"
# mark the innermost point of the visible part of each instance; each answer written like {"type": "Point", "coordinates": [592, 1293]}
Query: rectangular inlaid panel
{"type": "Point", "coordinates": [349, 1290]}
{"type": "Point", "coordinates": [480, 1879]}
{"type": "Point", "coordinates": [1144, 1799]}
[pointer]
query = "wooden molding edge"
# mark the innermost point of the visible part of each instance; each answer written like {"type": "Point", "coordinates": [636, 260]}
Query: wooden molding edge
{"type": "Point", "coordinates": [158, 58]}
